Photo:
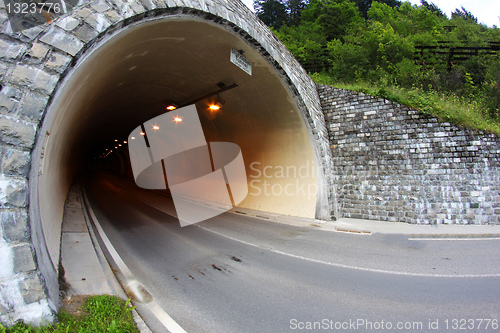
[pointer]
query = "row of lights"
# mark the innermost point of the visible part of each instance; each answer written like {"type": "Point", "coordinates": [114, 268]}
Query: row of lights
{"type": "Point", "coordinates": [215, 106]}
{"type": "Point", "coordinates": [117, 143]}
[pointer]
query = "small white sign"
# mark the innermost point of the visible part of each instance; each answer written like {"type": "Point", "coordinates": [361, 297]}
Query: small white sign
{"type": "Point", "coordinates": [241, 62]}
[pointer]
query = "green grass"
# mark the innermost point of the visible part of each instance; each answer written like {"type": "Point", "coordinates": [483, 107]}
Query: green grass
{"type": "Point", "coordinates": [101, 313]}
{"type": "Point", "coordinates": [447, 107]}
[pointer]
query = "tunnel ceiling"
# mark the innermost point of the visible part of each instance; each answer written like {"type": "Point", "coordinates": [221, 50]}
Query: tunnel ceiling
{"type": "Point", "coordinates": [137, 74]}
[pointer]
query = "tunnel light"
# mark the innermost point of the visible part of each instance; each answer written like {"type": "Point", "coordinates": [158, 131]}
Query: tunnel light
{"type": "Point", "coordinates": [116, 147]}
{"type": "Point", "coordinates": [116, 140]}
{"type": "Point", "coordinates": [171, 107]}
{"type": "Point", "coordinates": [119, 145]}
{"type": "Point", "coordinates": [133, 138]}
{"type": "Point", "coordinates": [214, 107]}
{"type": "Point", "coordinates": [142, 133]}
{"type": "Point", "coordinates": [217, 105]}
{"type": "Point", "coordinates": [156, 127]}
{"type": "Point", "coordinates": [125, 142]}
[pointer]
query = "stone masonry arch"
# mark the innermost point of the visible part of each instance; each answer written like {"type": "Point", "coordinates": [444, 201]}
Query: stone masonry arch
{"type": "Point", "coordinates": [34, 64]}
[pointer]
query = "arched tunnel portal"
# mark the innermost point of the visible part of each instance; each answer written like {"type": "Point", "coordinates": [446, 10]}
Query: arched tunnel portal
{"type": "Point", "coordinates": [134, 68]}
{"type": "Point", "coordinates": [136, 74]}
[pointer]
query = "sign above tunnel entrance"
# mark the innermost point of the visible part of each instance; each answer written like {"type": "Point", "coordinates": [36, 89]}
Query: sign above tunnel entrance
{"type": "Point", "coordinates": [240, 61]}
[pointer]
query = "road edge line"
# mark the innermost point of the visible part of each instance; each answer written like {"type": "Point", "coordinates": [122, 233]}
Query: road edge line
{"type": "Point", "coordinates": [165, 319]}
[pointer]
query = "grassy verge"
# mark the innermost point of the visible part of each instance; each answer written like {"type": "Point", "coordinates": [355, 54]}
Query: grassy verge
{"type": "Point", "coordinates": [447, 107]}
{"type": "Point", "coordinates": [96, 314]}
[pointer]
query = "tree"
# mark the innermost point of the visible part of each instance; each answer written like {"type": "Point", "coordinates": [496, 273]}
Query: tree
{"type": "Point", "coordinates": [364, 5]}
{"type": "Point", "coordinates": [433, 8]}
{"type": "Point", "coordinates": [272, 12]}
{"type": "Point", "coordinates": [295, 8]}
{"type": "Point", "coordinates": [337, 19]}
{"type": "Point", "coordinates": [307, 44]}
{"type": "Point", "coordinates": [464, 14]}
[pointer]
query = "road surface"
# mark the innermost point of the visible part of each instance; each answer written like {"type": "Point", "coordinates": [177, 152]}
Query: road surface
{"type": "Point", "coordinates": [236, 273]}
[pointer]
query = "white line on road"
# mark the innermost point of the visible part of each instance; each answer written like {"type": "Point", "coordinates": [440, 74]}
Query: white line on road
{"type": "Point", "coordinates": [168, 322]}
{"type": "Point", "coordinates": [366, 269]}
{"type": "Point", "coordinates": [454, 239]}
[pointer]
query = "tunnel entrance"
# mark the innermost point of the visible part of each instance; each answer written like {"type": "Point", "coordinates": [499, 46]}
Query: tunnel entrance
{"type": "Point", "coordinates": [133, 75]}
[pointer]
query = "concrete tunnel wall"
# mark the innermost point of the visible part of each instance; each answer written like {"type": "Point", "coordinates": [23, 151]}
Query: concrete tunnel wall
{"type": "Point", "coordinates": [53, 110]}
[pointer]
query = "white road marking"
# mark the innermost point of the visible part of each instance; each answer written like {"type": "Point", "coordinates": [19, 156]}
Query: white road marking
{"type": "Point", "coordinates": [116, 257]}
{"type": "Point", "coordinates": [366, 269]}
{"type": "Point", "coordinates": [455, 239]}
{"type": "Point", "coordinates": [168, 322]}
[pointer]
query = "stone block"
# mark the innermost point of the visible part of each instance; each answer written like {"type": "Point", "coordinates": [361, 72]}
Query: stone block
{"type": "Point", "coordinates": [84, 13]}
{"type": "Point", "coordinates": [149, 4]}
{"type": "Point", "coordinates": [17, 132]}
{"type": "Point", "coordinates": [10, 50]}
{"type": "Point", "coordinates": [30, 34]}
{"type": "Point", "coordinates": [86, 33]}
{"type": "Point", "coordinates": [16, 163]}
{"type": "Point", "coordinates": [32, 289]}
{"type": "Point", "coordinates": [33, 105]}
{"type": "Point", "coordinates": [7, 296]}
{"type": "Point", "coordinates": [34, 78]}
{"type": "Point", "coordinates": [15, 227]}
{"type": "Point", "coordinates": [3, 308]}
{"type": "Point", "coordinates": [137, 7]}
{"type": "Point", "coordinates": [9, 98]}
{"type": "Point", "coordinates": [58, 62]}
{"type": "Point", "coordinates": [62, 41]}
{"type": "Point", "coordinates": [38, 51]}
{"type": "Point", "coordinates": [3, 15]}
{"type": "Point", "coordinates": [3, 68]}
{"type": "Point", "coordinates": [100, 6]}
{"type": "Point", "coordinates": [69, 23]}
{"type": "Point", "coordinates": [23, 259]}
{"type": "Point", "coordinates": [13, 192]}
{"type": "Point", "coordinates": [113, 16]}
{"type": "Point", "coordinates": [126, 11]}
{"type": "Point", "coordinates": [98, 22]}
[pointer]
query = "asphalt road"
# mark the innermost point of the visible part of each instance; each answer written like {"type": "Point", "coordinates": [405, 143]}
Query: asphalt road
{"type": "Point", "coordinates": [235, 273]}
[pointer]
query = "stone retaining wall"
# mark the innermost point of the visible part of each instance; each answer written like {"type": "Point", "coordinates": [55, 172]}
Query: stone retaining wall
{"type": "Point", "coordinates": [392, 163]}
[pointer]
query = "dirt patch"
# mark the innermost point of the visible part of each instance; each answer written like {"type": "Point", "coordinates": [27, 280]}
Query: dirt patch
{"type": "Point", "coordinates": [75, 305]}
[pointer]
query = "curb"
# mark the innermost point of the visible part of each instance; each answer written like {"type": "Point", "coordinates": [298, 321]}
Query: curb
{"type": "Point", "coordinates": [111, 278]}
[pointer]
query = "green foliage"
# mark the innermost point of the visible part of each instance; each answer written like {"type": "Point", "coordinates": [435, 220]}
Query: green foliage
{"type": "Point", "coordinates": [464, 14]}
{"type": "Point", "coordinates": [276, 13]}
{"type": "Point", "coordinates": [365, 5]}
{"type": "Point", "coordinates": [396, 45]}
{"type": "Point", "coordinates": [271, 12]}
{"type": "Point", "coordinates": [433, 8]}
{"type": "Point", "coordinates": [104, 314]}
{"type": "Point", "coordinates": [446, 106]}
{"type": "Point", "coordinates": [491, 92]}
{"type": "Point", "coordinates": [331, 19]}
